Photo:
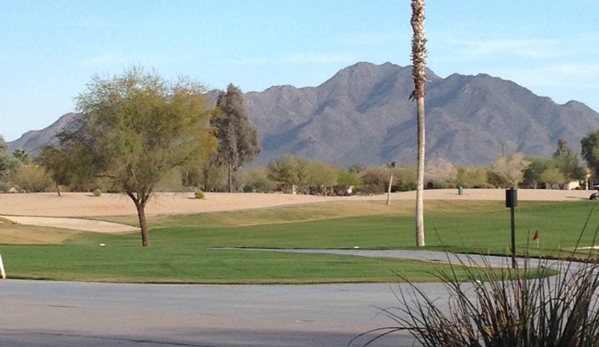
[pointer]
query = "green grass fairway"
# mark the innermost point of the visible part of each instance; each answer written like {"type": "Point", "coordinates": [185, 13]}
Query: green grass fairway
{"type": "Point", "coordinates": [196, 248]}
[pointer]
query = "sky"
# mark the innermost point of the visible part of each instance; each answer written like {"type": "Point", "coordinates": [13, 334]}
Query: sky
{"type": "Point", "coordinates": [50, 49]}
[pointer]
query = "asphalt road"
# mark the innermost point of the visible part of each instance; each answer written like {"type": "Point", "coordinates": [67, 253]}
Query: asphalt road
{"type": "Point", "coordinates": [65, 314]}
{"type": "Point", "coordinates": [41, 313]}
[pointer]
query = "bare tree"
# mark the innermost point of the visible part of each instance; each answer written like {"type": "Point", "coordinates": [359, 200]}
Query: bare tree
{"type": "Point", "coordinates": [419, 76]}
{"type": "Point", "coordinates": [510, 169]}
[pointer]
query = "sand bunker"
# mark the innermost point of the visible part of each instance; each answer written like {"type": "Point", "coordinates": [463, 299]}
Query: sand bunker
{"type": "Point", "coordinates": [70, 210]}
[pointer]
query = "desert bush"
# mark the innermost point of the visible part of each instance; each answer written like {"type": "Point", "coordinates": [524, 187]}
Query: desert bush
{"type": "Point", "coordinates": [374, 180]}
{"type": "Point", "coordinates": [407, 186]}
{"type": "Point", "coordinates": [440, 185]}
{"type": "Point", "coordinates": [260, 185]}
{"type": "Point", "coordinates": [484, 186]}
{"type": "Point", "coordinates": [32, 178]}
{"type": "Point", "coordinates": [347, 183]}
{"type": "Point", "coordinates": [471, 177]}
{"type": "Point", "coordinates": [405, 178]}
{"type": "Point", "coordinates": [199, 194]}
{"type": "Point", "coordinates": [256, 180]}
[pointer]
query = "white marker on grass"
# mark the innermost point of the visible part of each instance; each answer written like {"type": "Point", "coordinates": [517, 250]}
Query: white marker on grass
{"type": "Point", "coordinates": [2, 268]}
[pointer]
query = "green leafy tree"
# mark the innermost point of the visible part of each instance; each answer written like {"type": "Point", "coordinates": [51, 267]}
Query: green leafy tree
{"type": "Point", "coordinates": [284, 171]}
{"type": "Point", "coordinates": [302, 175]}
{"type": "Point", "coordinates": [215, 178]}
{"type": "Point", "coordinates": [321, 177]}
{"type": "Point", "coordinates": [63, 164]}
{"type": "Point", "coordinates": [566, 160]}
{"type": "Point", "coordinates": [134, 129]}
{"type": "Point", "coordinates": [238, 141]}
{"type": "Point", "coordinates": [533, 175]}
{"type": "Point", "coordinates": [553, 176]}
{"type": "Point", "coordinates": [8, 165]}
{"type": "Point", "coordinates": [590, 151]}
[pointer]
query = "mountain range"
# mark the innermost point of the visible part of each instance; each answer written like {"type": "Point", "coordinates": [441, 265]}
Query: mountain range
{"type": "Point", "coordinates": [363, 115]}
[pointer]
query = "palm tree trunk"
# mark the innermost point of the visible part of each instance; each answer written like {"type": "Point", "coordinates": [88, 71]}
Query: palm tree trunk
{"type": "Point", "coordinates": [420, 240]}
{"type": "Point", "coordinates": [419, 76]}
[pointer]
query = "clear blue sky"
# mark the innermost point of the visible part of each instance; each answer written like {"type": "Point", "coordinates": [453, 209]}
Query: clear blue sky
{"type": "Point", "coordinates": [50, 49]}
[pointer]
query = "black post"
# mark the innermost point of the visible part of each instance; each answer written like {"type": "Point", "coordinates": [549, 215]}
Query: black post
{"type": "Point", "coordinates": [512, 212]}
{"type": "Point", "coordinates": [511, 201]}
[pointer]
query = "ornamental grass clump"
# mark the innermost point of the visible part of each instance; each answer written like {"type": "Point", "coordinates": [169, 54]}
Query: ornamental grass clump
{"type": "Point", "coordinates": [551, 304]}
{"type": "Point", "coordinates": [503, 308]}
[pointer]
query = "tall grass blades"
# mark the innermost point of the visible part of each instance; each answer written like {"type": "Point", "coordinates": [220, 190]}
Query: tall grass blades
{"type": "Point", "coordinates": [525, 306]}
{"type": "Point", "coordinates": [503, 308]}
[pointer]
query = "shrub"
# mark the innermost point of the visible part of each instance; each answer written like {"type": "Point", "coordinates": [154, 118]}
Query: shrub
{"type": "Point", "coordinates": [374, 180]}
{"type": "Point", "coordinates": [199, 194]}
{"type": "Point", "coordinates": [97, 192]}
{"type": "Point", "coordinates": [32, 178]}
{"type": "Point", "coordinates": [260, 185]}
{"type": "Point", "coordinates": [405, 187]}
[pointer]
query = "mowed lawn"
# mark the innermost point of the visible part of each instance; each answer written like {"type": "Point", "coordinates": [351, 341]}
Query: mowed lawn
{"type": "Point", "coordinates": [208, 248]}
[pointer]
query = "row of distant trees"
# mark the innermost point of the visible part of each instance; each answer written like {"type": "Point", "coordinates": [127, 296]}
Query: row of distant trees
{"type": "Point", "coordinates": [291, 174]}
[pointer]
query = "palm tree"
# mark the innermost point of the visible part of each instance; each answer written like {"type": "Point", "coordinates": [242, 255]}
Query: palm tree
{"type": "Point", "coordinates": [419, 76]}
{"type": "Point", "coordinates": [390, 166]}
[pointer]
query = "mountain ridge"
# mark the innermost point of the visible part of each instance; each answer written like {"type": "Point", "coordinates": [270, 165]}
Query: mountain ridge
{"type": "Point", "coordinates": [363, 115]}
